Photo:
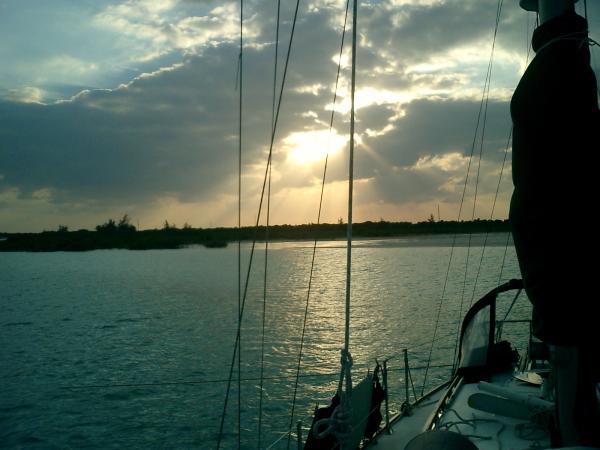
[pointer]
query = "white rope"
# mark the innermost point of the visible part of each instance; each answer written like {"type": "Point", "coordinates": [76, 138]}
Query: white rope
{"type": "Point", "coordinates": [339, 424]}
{"type": "Point", "coordinates": [579, 36]}
{"type": "Point", "coordinates": [473, 423]}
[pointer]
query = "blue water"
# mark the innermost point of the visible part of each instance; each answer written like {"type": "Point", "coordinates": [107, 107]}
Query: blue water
{"type": "Point", "coordinates": [94, 345]}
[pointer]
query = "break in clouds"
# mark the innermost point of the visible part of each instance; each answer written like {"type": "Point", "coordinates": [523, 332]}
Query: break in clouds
{"type": "Point", "coordinates": [133, 108]}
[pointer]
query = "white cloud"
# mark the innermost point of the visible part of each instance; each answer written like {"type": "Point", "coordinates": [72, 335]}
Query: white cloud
{"type": "Point", "coordinates": [157, 28]}
{"type": "Point", "coordinates": [8, 196]}
{"type": "Point", "coordinates": [27, 94]}
{"type": "Point", "coordinates": [66, 64]}
{"type": "Point", "coordinates": [449, 162]}
{"type": "Point", "coordinates": [42, 194]}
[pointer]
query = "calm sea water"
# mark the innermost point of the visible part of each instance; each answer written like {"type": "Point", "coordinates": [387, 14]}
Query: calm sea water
{"type": "Point", "coordinates": [125, 349]}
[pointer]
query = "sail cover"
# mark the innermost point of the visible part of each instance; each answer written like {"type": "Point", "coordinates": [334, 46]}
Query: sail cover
{"type": "Point", "coordinates": [554, 164]}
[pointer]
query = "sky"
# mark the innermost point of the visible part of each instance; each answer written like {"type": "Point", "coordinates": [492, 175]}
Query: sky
{"type": "Point", "coordinates": [131, 107]}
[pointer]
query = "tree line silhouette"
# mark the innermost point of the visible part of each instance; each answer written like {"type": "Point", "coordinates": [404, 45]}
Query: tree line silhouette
{"type": "Point", "coordinates": [122, 234]}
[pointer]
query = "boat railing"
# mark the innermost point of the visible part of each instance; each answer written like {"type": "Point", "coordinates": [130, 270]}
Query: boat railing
{"type": "Point", "coordinates": [400, 393]}
{"type": "Point", "coordinates": [392, 409]}
{"type": "Point", "coordinates": [500, 326]}
{"type": "Point", "coordinates": [407, 386]}
{"type": "Point", "coordinates": [289, 433]}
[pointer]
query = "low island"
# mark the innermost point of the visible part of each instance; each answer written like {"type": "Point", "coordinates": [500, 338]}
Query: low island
{"type": "Point", "coordinates": [123, 235]}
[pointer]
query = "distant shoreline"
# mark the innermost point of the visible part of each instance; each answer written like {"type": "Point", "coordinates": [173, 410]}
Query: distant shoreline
{"type": "Point", "coordinates": [173, 238]}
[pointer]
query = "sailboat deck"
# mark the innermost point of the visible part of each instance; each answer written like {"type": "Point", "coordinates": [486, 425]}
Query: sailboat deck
{"type": "Point", "coordinates": [406, 427]}
{"type": "Point", "coordinates": [486, 430]}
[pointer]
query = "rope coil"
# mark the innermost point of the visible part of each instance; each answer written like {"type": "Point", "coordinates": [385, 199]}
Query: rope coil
{"type": "Point", "coordinates": [339, 424]}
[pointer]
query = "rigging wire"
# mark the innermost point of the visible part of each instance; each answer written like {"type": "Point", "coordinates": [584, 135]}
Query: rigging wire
{"type": "Point", "coordinates": [486, 94]}
{"type": "Point", "coordinates": [276, 60]}
{"type": "Point", "coordinates": [502, 265]}
{"type": "Point", "coordinates": [480, 265]}
{"type": "Point", "coordinates": [508, 144]}
{"type": "Point", "coordinates": [331, 375]}
{"type": "Point", "coordinates": [445, 284]}
{"type": "Point", "coordinates": [239, 342]}
{"type": "Point", "coordinates": [481, 146]}
{"type": "Point", "coordinates": [314, 250]}
{"type": "Point", "coordinates": [503, 321]}
{"type": "Point", "coordinates": [264, 312]}
{"type": "Point", "coordinates": [482, 140]}
{"type": "Point", "coordinates": [256, 226]}
{"type": "Point", "coordinates": [419, 345]}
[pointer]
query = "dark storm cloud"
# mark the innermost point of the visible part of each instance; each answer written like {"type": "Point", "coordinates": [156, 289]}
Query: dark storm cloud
{"type": "Point", "coordinates": [438, 126]}
{"type": "Point", "coordinates": [174, 132]}
{"type": "Point", "coordinates": [171, 132]}
{"type": "Point", "coordinates": [410, 32]}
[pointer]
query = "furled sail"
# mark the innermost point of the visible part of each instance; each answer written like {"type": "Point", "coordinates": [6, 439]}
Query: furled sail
{"type": "Point", "coordinates": [555, 145]}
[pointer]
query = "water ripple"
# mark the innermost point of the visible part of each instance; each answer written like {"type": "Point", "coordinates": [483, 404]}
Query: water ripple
{"type": "Point", "coordinates": [120, 317]}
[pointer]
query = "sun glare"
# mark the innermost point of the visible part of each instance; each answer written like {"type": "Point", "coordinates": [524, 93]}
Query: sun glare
{"type": "Point", "coordinates": [306, 147]}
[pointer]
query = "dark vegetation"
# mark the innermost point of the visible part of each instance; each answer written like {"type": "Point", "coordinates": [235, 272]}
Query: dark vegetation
{"type": "Point", "coordinates": [123, 234]}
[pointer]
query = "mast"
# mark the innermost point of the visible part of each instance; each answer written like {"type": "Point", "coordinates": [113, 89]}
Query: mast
{"type": "Point", "coordinates": [548, 9]}
{"type": "Point", "coordinates": [343, 432]}
{"type": "Point", "coordinates": [350, 182]}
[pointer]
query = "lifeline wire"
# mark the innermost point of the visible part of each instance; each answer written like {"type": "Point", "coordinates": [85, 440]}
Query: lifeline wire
{"type": "Point", "coordinates": [332, 375]}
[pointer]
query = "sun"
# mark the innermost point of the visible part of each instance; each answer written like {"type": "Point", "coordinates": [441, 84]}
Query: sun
{"type": "Point", "coordinates": [307, 147]}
